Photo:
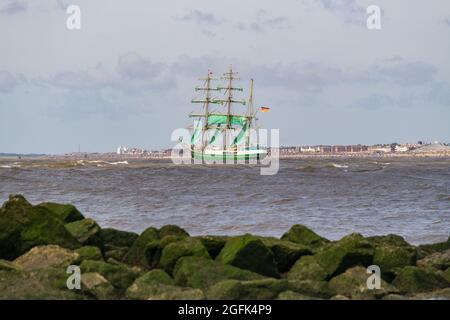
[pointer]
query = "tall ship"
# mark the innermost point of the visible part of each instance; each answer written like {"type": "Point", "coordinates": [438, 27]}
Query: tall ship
{"type": "Point", "coordinates": [224, 129]}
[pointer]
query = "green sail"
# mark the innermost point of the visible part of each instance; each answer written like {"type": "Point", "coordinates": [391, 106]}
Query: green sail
{"type": "Point", "coordinates": [196, 134]}
{"type": "Point", "coordinates": [222, 119]}
{"type": "Point", "coordinates": [241, 135]}
{"type": "Point", "coordinates": [216, 133]}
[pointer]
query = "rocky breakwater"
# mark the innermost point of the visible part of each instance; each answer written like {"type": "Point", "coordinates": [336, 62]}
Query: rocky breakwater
{"type": "Point", "coordinates": [39, 242]}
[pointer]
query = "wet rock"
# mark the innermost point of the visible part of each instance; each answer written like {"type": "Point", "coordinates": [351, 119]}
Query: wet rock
{"type": "Point", "coordinates": [388, 240]}
{"type": "Point", "coordinates": [136, 254]}
{"type": "Point", "coordinates": [291, 295]}
{"type": "Point", "coordinates": [118, 254]}
{"type": "Point", "coordinates": [64, 212]}
{"type": "Point", "coordinates": [427, 249]}
{"type": "Point", "coordinates": [96, 285]}
{"type": "Point", "coordinates": [285, 253]}
{"type": "Point", "coordinates": [185, 247]}
{"type": "Point", "coordinates": [303, 235]}
{"type": "Point", "coordinates": [120, 276]}
{"type": "Point", "coordinates": [390, 258]}
{"type": "Point", "coordinates": [198, 272]}
{"type": "Point", "coordinates": [153, 250]}
{"type": "Point", "coordinates": [438, 260]}
{"type": "Point", "coordinates": [265, 289]}
{"type": "Point", "coordinates": [414, 280]}
{"type": "Point", "coordinates": [158, 285]}
{"type": "Point", "coordinates": [172, 230]}
{"type": "Point", "coordinates": [23, 227]}
{"type": "Point", "coordinates": [89, 253]}
{"type": "Point", "coordinates": [311, 288]}
{"type": "Point", "coordinates": [353, 284]}
{"type": "Point", "coordinates": [249, 252]}
{"type": "Point", "coordinates": [214, 244]}
{"type": "Point", "coordinates": [86, 231]}
{"type": "Point", "coordinates": [307, 268]}
{"type": "Point", "coordinates": [350, 251]}
{"type": "Point", "coordinates": [113, 238]}
{"type": "Point", "coordinates": [42, 257]}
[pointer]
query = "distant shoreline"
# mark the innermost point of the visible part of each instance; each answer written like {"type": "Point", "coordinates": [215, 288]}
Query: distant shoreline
{"type": "Point", "coordinates": [115, 157]}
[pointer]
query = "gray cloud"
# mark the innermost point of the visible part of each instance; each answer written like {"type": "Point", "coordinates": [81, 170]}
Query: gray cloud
{"type": "Point", "coordinates": [8, 81]}
{"type": "Point", "coordinates": [13, 7]}
{"type": "Point", "coordinates": [264, 21]}
{"type": "Point", "coordinates": [349, 10]}
{"type": "Point", "coordinates": [201, 18]}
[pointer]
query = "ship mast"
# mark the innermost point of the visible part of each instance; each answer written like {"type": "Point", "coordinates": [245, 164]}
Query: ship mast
{"type": "Point", "coordinates": [206, 101]}
{"type": "Point", "coordinates": [229, 76]}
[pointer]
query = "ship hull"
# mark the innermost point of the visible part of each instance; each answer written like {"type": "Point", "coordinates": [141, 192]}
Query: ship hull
{"type": "Point", "coordinates": [219, 155]}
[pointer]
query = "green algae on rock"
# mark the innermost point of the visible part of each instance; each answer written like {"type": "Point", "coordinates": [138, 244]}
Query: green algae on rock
{"type": "Point", "coordinates": [303, 235]}
{"type": "Point", "coordinates": [199, 272]}
{"type": "Point", "coordinates": [249, 252]}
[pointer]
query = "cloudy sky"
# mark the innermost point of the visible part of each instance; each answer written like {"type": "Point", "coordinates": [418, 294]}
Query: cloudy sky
{"type": "Point", "coordinates": [127, 76]}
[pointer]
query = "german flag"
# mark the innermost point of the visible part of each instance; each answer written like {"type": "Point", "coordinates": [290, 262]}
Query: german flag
{"type": "Point", "coordinates": [265, 109]}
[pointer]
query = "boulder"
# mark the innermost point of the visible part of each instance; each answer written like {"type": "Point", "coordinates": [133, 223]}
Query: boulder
{"type": "Point", "coordinates": [86, 231]}
{"type": "Point", "coordinates": [307, 268]}
{"type": "Point", "coordinates": [158, 285]}
{"type": "Point", "coordinates": [97, 286]}
{"type": "Point", "coordinates": [153, 250]}
{"type": "Point", "coordinates": [285, 253]}
{"type": "Point", "coordinates": [118, 254]}
{"type": "Point", "coordinates": [89, 253]}
{"type": "Point", "coordinates": [182, 248]}
{"type": "Point", "coordinates": [353, 284]}
{"type": "Point", "coordinates": [136, 254]}
{"type": "Point", "coordinates": [303, 235]}
{"type": "Point", "coordinates": [199, 272]}
{"type": "Point", "coordinates": [113, 238]}
{"type": "Point", "coordinates": [350, 251]}
{"type": "Point", "coordinates": [446, 274]}
{"type": "Point", "coordinates": [442, 294]}
{"type": "Point", "coordinates": [23, 227]}
{"type": "Point", "coordinates": [249, 252]}
{"type": "Point", "coordinates": [6, 265]}
{"type": "Point", "coordinates": [42, 257]}
{"type": "Point", "coordinates": [388, 240]}
{"type": "Point", "coordinates": [172, 230]}
{"type": "Point", "coordinates": [427, 249]}
{"type": "Point", "coordinates": [264, 289]}
{"type": "Point", "coordinates": [64, 212]}
{"type": "Point", "coordinates": [214, 244]}
{"type": "Point", "coordinates": [311, 288]}
{"type": "Point", "coordinates": [291, 295]}
{"type": "Point", "coordinates": [389, 258]}
{"type": "Point", "coordinates": [120, 276]}
{"type": "Point", "coordinates": [438, 260]}
{"type": "Point", "coordinates": [415, 280]}
{"type": "Point", "coordinates": [40, 284]}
